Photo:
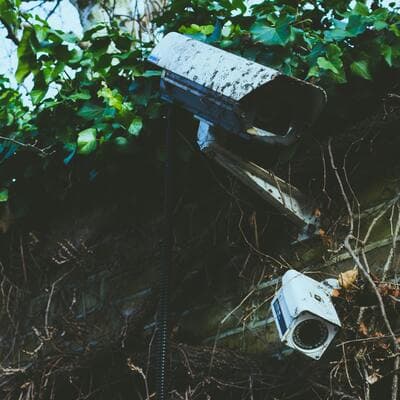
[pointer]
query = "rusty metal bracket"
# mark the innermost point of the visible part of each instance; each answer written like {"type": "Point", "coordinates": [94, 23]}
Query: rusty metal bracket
{"type": "Point", "coordinates": [289, 200]}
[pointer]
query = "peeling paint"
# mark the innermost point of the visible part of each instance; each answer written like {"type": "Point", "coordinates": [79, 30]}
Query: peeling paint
{"type": "Point", "coordinates": [211, 67]}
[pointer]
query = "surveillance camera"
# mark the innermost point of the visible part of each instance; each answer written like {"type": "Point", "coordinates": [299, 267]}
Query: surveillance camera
{"type": "Point", "coordinates": [304, 314]}
{"type": "Point", "coordinates": [236, 94]}
{"type": "Point", "coordinates": [231, 94]}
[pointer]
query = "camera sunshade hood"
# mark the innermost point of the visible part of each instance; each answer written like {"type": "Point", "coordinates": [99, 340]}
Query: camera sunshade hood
{"type": "Point", "coordinates": [237, 94]}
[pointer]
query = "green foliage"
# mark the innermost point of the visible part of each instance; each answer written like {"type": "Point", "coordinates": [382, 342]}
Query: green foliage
{"type": "Point", "coordinates": [86, 141]}
{"type": "Point", "coordinates": [90, 94]}
{"type": "Point", "coordinates": [280, 33]}
{"type": "Point", "coordinates": [3, 195]}
{"type": "Point", "coordinates": [96, 94]}
{"type": "Point", "coordinates": [9, 13]}
{"type": "Point", "coordinates": [136, 126]}
{"type": "Point", "coordinates": [328, 42]}
{"type": "Point", "coordinates": [361, 68]}
{"type": "Point", "coordinates": [15, 121]}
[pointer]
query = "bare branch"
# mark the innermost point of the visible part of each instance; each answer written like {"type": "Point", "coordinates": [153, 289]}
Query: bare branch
{"type": "Point", "coordinates": [27, 145]}
{"type": "Point", "coordinates": [395, 234]}
{"type": "Point", "coordinates": [52, 11]}
{"type": "Point", "coordinates": [46, 316]}
{"type": "Point", "coordinates": [339, 179]}
{"type": "Point", "coordinates": [365, 271]}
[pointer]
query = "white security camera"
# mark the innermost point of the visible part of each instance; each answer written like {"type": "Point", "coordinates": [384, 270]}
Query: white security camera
{"type": "Point", "coordinates": [304, 314]}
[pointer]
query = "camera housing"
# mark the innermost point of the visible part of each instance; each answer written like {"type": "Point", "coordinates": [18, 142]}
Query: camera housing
{"type": "Point", "coordinates": [304, 314]}
{"type": "Point", "coordinates": [236, 94]}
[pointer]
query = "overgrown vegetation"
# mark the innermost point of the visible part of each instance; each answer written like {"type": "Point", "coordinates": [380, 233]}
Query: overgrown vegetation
{"type": "Point", "coordinates": [96, 94]}
{"type": "Point", "coordinates": [80, 200]}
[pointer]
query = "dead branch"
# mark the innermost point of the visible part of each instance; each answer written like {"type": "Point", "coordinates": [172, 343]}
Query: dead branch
{"type": "Point", "coordinates": [46, 316]}
{"type": "Point", "coordinates": [365, 271]}
{"type": "Point", "coordinates": [395, 235]}
{"type": "Point", "coordinates": [43, 152]}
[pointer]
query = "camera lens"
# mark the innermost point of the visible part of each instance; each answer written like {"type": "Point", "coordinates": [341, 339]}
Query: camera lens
{"type": "Point", "coordinates": [310, 334]}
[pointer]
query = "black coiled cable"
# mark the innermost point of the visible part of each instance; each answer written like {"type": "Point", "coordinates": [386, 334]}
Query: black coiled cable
{"type": "Point", "coordinates": [162, 375]}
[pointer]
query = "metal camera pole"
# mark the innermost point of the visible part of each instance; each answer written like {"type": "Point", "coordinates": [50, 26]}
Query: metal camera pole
{"type": "Point", "coordinates": [162, 326]}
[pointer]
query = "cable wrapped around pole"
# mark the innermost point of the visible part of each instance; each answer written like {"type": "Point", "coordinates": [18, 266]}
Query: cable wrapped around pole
{"type": "Point", "coordinates": [165, 268]}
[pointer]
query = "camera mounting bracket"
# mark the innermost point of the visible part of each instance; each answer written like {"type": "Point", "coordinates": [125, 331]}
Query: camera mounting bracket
{"type": "Point", "coordinates": [290, 201]}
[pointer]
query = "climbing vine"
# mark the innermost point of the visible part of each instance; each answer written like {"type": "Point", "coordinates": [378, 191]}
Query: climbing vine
{"type": "Point", "coordinates": [96, 94]}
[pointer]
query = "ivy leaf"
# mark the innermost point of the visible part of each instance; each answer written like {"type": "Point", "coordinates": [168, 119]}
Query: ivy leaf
{"type": "Point", "coordinates": [84, 95]}
{"type": "Point", "coordinates": [379, 25]}
{"type": "Point", "coordinates": [334, 53]}
{"type": "Point", "coordinates": [395, 29]}
{"type": "Point", "coordinates": [225, 44]}
{"type": "Point", "coordinates": [316, 51]}
{"type": "Point", "coordinates": [332, 62]}
{"type": "Point", "coordinates": [112, 97]}
{"type": "Point", "coordinates": [7, 13]}
{"type": "Point", "coordinates": [100, 45]}
{"type": "Point", "coordinates": [361, 9]}
{"type": "Point", "coordinates": [356, 25]}
{"type": "Point", "coordinates": [313, 72]}
{"type": "Point", "coordinates": [361, 68]}
{"type": "Point", "coordinates": [387, 53]}
{"type": "Point", "coordinates": [268, 35]}
{"type": "Point", "coordinates": [239, 5]}
{"type": "Point", "coordinates": [71, 148]}
{"type": "Point", "coordinates": [136, 126]}
{"type": "Point", "coordinates": [65, 36]}
{"type": "Point", "coordinates": [199, 32]}
{"type": "Point", "coordinates": [380, 16]}
{"type": "Point", "coordinates": [37, 95]}
{"type": "Point", "coordinates": [90, 111]}
{"type": "Point", "coordinates": [87, 141]}
{"type": "Point", "coordinates": [279, 35]}
{"type": "Point", "coordinates": [26, 57]}
{"type": "Point", "coordinates": [23, 71]}
{"type": "Point", "coordinates": [326, 64]}
{"type": "Point", "coordinates": [90, 32]}
{"type": "Point", "coordinates": [120, 141]}
{"type": "Point", "coordinates": [207, 29]}
{"type": "Point", "coordinates": [336, 34]}
{"type": "Point", "coordinates": [3, 195]}
{"type": "Point", "coordinates": [109, 113]}
{"type": "Point", "coordinates": [123, 43]}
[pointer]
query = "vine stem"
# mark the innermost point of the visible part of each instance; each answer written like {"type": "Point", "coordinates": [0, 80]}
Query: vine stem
{"type": "Point", "coordinates": [26, 145]}
{"type": "Point", "coordinates": [10, 33]}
